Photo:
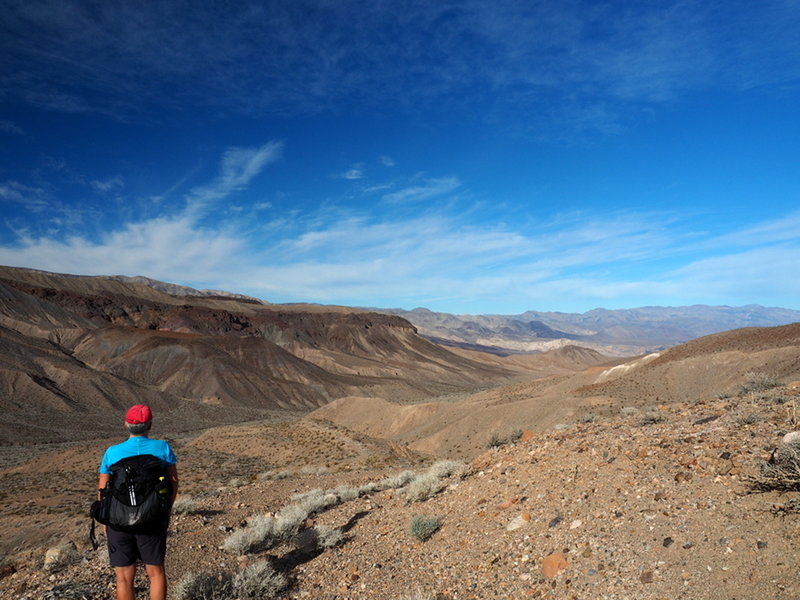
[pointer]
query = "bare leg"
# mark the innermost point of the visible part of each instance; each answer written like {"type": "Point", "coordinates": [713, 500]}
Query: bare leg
{"type": "Point", "coordinates": [125, 577]}
{"type": "Point", "coordinates": [158, 582]}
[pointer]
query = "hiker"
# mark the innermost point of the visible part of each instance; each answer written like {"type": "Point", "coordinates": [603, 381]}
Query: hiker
{"type": "Point", "coordinates": [150, 543]}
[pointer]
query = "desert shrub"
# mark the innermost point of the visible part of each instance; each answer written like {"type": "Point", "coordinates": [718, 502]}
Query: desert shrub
{"type": "Point", "coordinates": [204, 586]}
{"type": "Point", "coordinates": [185, 505]}
{"type": "Point", "coordinates": [423, 527]}
{"type": "Point", "coordinates": [396, 481]}
{"type": "Point", "coordinates": [258, 535]}
{"type": "Point", "coordinates": [495, 440]}
{"type": "Point", "coordinates": [758, 382]}
{"type": "Point", "coordinates": [588, 418]}
{"type": "Point", "coordinates": [236, 482]}
{"type": "Point", "coordinates": [273, 475]}
{"type": "Point", "coordinates": [311, 470]}
{"type": "Point", "coordinates": [422, 487]}
{"type": "Point", "coordinates": [781, 473]}
{"type": "Point", "coordinates": [448, 468]}
{"type": "Point", "coordinates": [627, 411]}
{"type": "Point", "coordinates": [651, 418]}
{"type": "Point", "coordinates": [748, 419]}
{"type": "Point", "coordinates": [259, 581]}
{"type": "Point", "coordinates": [320, 537]}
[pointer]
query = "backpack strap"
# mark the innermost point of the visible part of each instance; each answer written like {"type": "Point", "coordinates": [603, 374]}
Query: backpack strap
{"type": "Point", "coordinates": [93, 537]}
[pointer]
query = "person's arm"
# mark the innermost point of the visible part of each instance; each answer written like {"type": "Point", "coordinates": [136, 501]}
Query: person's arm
{"type": "Point", "coordinates": [172, 473]}
{"type": "Point", "coordinates": [102, 481]}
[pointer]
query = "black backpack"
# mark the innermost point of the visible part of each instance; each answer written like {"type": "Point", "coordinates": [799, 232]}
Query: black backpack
{"type": "Point", "coordinates": [137, 497]}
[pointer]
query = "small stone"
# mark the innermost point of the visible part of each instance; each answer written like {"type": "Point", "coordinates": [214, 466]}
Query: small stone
{"type": "Point", "coordinates": [683, 476]}
{"type": "Point", "coordinates": [551, 565]}
{"type": "Point", "coordinates": [646, 577]}
{"type": "Point", "coordinates": [575, 524]}
{"type": "Point", "coordinates": [517, 522]}
{"type": "Point", "coordinates": [668, 541]}
{"type": "Point", "coordinates": [555, 521]}
{"type": "Point", "coordinates": [508, 503]}
{"type": "Point", "coordinates": [761, 545]}
{"type": "Point", "coordinates": [660, 496]}
{"type": "Point", "coordinates": [688, 545]}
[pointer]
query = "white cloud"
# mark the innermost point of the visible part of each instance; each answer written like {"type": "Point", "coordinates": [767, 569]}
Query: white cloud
{"type": "Point", "coordinates": [431, 188]}
{"type": "Point", "coordinates": [238, 167]}
{"type": "Point", "coordinates": [33, 199]}
{"type": "Point", "coordinates": [170, 249]}
{"type": "Point", "coordinates": [387, 161]}
{"type": "Point", "coordinates": [108, 184]}
{"type": "Point", "coordinates": [354, 172]}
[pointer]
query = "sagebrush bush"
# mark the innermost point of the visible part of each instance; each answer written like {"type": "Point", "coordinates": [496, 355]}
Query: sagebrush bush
{"type": "Point", "coordinates": [422, 487]}
{"type": "Point", "coordinates": [651, 418]}
{"type": "Point", "coordinates": [495, 440]}
{"type": "Point", "coordinates": [185, 505]}
{"type": "Point", "coordinates": [273, 475]}
{"type": "Point", "coordinates": [782, 472]}
{"type": "Point", "coordinates": [259, 581]}
{"type": "Point", "coordinates": [447, 468]}
{"type": "Point", "coordinates": [423, 527]}
{"type": "Point", "coordinates": [758, 382]}
{"type": "Point", "coordinates": [204, 586]}
{"type": "Point", "coordinates": [748, 419]}
{"type": "Point", "coordinates": [258, 535]}
{"type": "Point", "coordinates": [396, 481]}
{"type": "Point", "coordinates": [319, 537]}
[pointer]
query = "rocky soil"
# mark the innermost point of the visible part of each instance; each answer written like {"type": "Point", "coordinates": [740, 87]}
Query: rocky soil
{"type": "Point", "coordinates": [650, 503]}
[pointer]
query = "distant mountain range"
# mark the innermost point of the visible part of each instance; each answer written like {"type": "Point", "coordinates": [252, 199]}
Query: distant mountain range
{"type": "Point", "coordinates": [626, 332]}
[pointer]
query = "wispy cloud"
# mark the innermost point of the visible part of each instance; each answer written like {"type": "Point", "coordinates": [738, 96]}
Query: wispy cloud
{"type": "Point", "coordinates": [387, 161]}
{"type": "Point", "coordinates": [429, 188]}
{"type": "Point", "coordinates": [11, 127]}
{"type": "Point", "coordinates": [590, 58]}
{"type": "Point", "coordinates": [31, 198]}
{"type": "Point", "coordinates": [107, 185]}
{"type": "Point", "coordinates": [354, 172]}
{"type": "Point", "coordinates": [239, 166]}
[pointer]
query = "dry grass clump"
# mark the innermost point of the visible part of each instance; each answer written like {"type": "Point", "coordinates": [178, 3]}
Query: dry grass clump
{"type": "Point", "coordinates": [259, 581]}
{"type": "Point", "coordinates": [204, 586]}
{"type": "Point", "coordinates": [781, 473]}
{"type": "Point", "coordinates": [428, 484]}
{"type": "Point", "coordinates": [758, 382]}
{"type": "Point", "coordinates": [423, 487]}
{"type": "Point", "coordinates": [273, 475]}
{"type": "Point", "coordinates": [651, 418]}
{"type": "Point", "coordinates": [423, 527]}
{"type": "Point", "coordinates": [496, 440]}
{"type": "Point", "coordinates": [185, 505]}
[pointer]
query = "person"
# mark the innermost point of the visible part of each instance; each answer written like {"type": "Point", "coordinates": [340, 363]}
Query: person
{"type": "Point", "coordinates": [124, 549]}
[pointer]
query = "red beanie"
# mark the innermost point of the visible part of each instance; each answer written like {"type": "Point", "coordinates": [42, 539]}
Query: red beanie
{"type": "Point", "coordinates": [138, 414]}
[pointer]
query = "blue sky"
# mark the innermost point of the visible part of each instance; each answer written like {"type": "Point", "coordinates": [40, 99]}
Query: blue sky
{"type": "Point", "coordinates": [468, 157]}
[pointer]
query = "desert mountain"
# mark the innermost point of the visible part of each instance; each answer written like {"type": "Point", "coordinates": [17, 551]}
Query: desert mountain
{"type": "Point", "coordinates": [627, 332]}
{"type": "Point", "coordinates": [74, 347]}
{"type": "Point", "coordinates": [703, 368]}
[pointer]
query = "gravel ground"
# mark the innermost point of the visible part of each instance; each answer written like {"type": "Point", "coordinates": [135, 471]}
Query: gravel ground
{"type": "Point", "coordinates": [649, 505]}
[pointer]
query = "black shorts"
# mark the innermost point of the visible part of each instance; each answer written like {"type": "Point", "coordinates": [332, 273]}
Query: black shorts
{"type": "Point", "coordinates": [124, 549]}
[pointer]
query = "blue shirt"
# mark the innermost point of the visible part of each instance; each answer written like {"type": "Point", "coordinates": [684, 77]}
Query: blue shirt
{"type": "Point", "coordinates": [134, 446]}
